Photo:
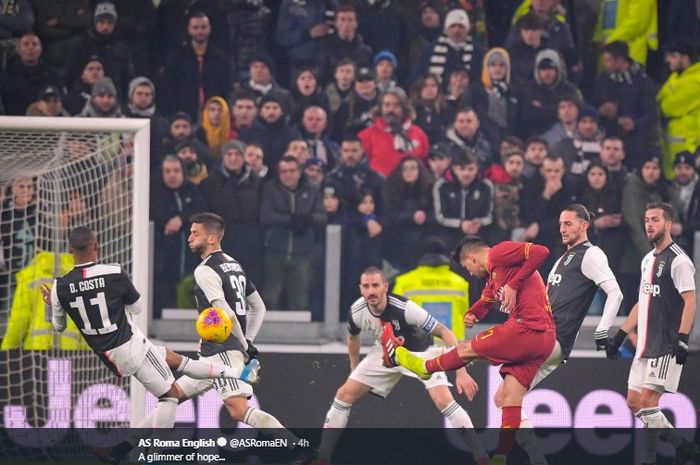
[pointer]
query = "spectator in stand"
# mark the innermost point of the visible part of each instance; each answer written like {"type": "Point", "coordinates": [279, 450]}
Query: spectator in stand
{"type": "Point", "coordinates": [234, 192]}
{"type": "Point", "coordinates": [60, 25]}
{"type": "Point", "coordinates": [339, 91]}
{"type": "Point", "coordinates": [102, 40]}
{"type": "Point", "coordinates": [463, 205]}
{"type": "Point", "coordinates": [602, 197]}
{"type": "Point", "coordinates": [507, 194]}
{"type": "Point", "coordinates": [305, 92]}
{"type": "Point", "coordinates": [542, 96]}
{"type": "Point", "coordinates": [612, 153]}
{"type": "Point", "coordinates": [25, 76]}
{"type": "Point", "coordinates": [354, 174]}
{"type": "Point", "coordinates": [432, 114]}
{"type": "Point", "coordinates": [300, 28]}
{"type": "Point", "coordinates": [137, 25]}
{"type": "Point", "coordinates": [142, 104]}
{"type": "Point", "coordinates": [585, 145]}
{"type": "Point", "coordinates": [457, 92]}
{"type": "Point", "coordinates": [315, 172]}
{"type": "Point", "coordinates": [625, 98]}
{"type": "Point", "coordinates": [289, 211]}
{"type": "Point", "coordinates": [254, 157]}
{"type": "Point", "coordinates": [195, 169]}
{"type": "Point", "coordinates": [682, 190]}
{"type": "Point", "coordinates": [261, 78]}
{"type": "Point", "coordinates": [453, 49]}
{"type": "Point", "coordinates": [679, 102]}
{"type": "Point", "coordinates": [440, 160]}
{"type": "Point", "coordinates": [215, 129]}
{"type": "Point", "coordinates": [546, 195]}
{"type": "Point", "coordinates": [567, 117]}
{"type": "Point", "coordinates": [368, 228]}
{"type": "Point", "coordinates": [427, 28]}
{"type": "Point", "coordinates": [314, 125]}
{"type": "Point", "coordinates": [523, 51]}
{"type": "Point", "coordinates": [393, 136]}
{"type": "Point", "coordinates": [409, 203]}
{"type": "Point", "coordinates": [173, 200]}
{"type": "Point", "coordinates": [299, 149]}
{"type": "Point", "coordinates": [536, 150]}
{"type": "Point", "coordinates": [385, 65]}
{"type": "Point", "coordinates": [271, 129]}
{"type": "Point", "coordinates": [633, 21]}
{"type": "Point", "coordinates": [345, 43]}
{"type": "Point", "coordinates": [49, 103]}
{"type": "Point", "coordinates": [196, 71]}
{"type": "Point", "coordinates": [16, 20]}
{"type": "Point", "coordinates": [682, 22]}
{"type": "Point", "coordinates": [495, 100]}
{"type": "Point", "coordinates": [355, 114]}
{"type": "Point", "coordinates": [80, 92]}
{"type": "Point", "coordinates": [557, 31]}
{"type": "Point", "coordinates": [179, 131]}
{"type": "Point", "coordinates": [243, 112]}
{"type": "Point", "coordinates": [465, 132]}
{"type": "Point", "coordinates": [247, 26]}
{"type": "Point", "coordinates": [103, 102]}
{"type": "Point", "coordinates": [378, 17]}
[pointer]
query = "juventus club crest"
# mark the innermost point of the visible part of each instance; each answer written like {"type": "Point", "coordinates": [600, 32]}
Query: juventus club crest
{"type": "Point", "coordinates": [661, 268]}
{"type": "Point", "coordinates": [569, 258]}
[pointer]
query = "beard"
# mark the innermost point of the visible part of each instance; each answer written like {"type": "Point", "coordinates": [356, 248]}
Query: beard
{"type": "Point", "coordinates": [656, 238]}
{"type": "Point", "coordinates": [392, 119]}
{"type": "Point", "coordinates": [198, 249]}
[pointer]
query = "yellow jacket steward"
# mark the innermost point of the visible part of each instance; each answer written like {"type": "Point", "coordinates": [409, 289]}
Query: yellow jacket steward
{"type": "Point", "coordinates": [632, 21]}
{"type": "Point", "coordinates": [443, 293]}
{"type": "Point", "coordinates": [30, 325]}
{"type": "Point", "coordinates": [679, 100]}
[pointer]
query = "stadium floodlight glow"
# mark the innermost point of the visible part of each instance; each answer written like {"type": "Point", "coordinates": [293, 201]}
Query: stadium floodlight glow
{"type": "Point", "coordinates": [92, 171]}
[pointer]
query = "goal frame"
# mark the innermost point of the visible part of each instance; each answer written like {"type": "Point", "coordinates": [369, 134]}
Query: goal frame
{"type": "Point", "coordinates": [140, 253]}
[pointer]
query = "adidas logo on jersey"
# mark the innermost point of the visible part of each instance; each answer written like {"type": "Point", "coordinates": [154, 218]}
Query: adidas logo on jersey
{"type": "Point", "coordinates": [554, 279]}
{"type": "Point", "coordinates": [653, 289]}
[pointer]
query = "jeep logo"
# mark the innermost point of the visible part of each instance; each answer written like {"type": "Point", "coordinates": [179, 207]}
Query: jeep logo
{"type": "Point", "coordinates": [554, 279]}
{"type": "Point", "coordinates": [653, 289]}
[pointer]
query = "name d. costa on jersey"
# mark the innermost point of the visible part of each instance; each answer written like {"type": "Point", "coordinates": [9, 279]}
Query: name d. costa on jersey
{"type": "Point", "coordinates": [87, 285]}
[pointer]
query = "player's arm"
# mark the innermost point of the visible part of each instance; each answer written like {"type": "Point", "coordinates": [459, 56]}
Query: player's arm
{"type": "Point", "coordinates": [528, 257]}
{"type": "Point", "coordinates": [595, 267]}
{"type": "Point", "coordinates": [210, 283]}
{"type": "Point", "coordinates": [354, 341]}
{"type": "Point", "coordinates": [465, 383]}
{"type": "Point", "coordinates": [131, 298]}
{"type": "Point", "coordinates": [630, 323]}
{"type": "Point", "coordinates": [58, 315]}
{"type": "Point", "coordinates": [255, 313]}
{"type": "Point", "coordinates": [683, 275]}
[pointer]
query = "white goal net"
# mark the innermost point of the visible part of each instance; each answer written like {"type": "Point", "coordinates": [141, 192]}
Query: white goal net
{"type": "Point", "coordinates": [56, 174]}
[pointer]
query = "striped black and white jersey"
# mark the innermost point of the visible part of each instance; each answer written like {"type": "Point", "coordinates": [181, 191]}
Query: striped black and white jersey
{"type": "Point", "coordinates": [220, 276]}
{"type": "Point", "coordinates": [96, 296]}
{"type": "Point", "coordinates": [571, 287]}
{"type": "Point", "coordinates": [410, 321]}
{"type": "Point", "coordinates": [665, 276]}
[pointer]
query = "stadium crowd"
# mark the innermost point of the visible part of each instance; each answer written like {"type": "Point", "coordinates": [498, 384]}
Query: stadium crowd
{"type": "Point", "coordinates": [397, 120]}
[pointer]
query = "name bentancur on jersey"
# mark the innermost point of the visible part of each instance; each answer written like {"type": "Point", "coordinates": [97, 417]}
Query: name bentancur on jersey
{"type": "Point", "coordinates": [87, 285]}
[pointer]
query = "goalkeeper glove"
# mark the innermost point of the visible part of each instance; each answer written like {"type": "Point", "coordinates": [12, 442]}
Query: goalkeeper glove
{"type": "Point", "coordinates": [251, 351]}
{"type": "Point", "coordinates": [614, 344]}
{"type": "Point", "coordinates": [601, 339]}
{"type": "Point", "coordinates": [681, 350]}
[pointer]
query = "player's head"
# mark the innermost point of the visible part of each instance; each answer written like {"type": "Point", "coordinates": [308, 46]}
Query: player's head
{"type": "Point", "coordinates": [574, 221]}
{"type": "Point", "coordinates": [658, 220]}
{"type": "Point", "coordinates": [469, 254]}
{"type": "Point", "coordinates": [205, 233]}
{"type": "Point", "coordinates": [373, 286]}
{"type": "Point", "coordinates": [82, 242]}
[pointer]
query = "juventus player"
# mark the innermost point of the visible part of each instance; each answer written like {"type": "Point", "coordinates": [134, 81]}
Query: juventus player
{"type": "Point", "coordinates": [663, 317]}
{"type": "Point", "coordinates": [379, 311]}
{"type": "Point", "coordinates": [100, 298]}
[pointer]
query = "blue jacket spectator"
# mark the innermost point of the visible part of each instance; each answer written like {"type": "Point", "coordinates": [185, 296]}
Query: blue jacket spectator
{"type": "Point", "coordinates": [300, 28]}
{"type": "Point", "coordinates": [16, 19]}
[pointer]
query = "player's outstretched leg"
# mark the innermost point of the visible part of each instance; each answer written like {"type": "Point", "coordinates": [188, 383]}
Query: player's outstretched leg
{"type": "Point", "coordinates": [198, 369]}
{"type": "Point", "coordinates": [449, 361]}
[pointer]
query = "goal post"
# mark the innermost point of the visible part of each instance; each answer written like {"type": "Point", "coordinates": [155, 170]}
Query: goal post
{"type": "Point", "coordinates": [94, 167]}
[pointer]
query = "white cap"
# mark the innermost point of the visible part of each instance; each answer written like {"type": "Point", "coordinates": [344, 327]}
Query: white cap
{"type": "Point", "coordinates": [456, 16]}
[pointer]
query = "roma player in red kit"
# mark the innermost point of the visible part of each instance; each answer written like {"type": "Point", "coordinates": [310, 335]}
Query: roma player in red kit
{"type": "Point", "coordinates": [520, 345]}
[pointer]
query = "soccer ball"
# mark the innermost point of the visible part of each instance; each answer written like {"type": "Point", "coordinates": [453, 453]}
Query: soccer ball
{"type": "Point", "coordinates": [214, 325]}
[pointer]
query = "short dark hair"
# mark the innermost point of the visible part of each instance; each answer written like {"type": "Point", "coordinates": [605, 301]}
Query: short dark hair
{"type": "Point", "coordinates": [80, 239]}
{"type": "Point", "coordinates": [345, 61]}
{"type": "Point", "coordinates": [213, 223]}
{"type": "Point", "coordinates": [467, 244]}
{"type": "Point", "coordinates": [197, 14]}
{"type": "Point", "coordinates": [465, 156]}
{"type": "Point", "coordinates": [531, 21]}
{"type": "Point", "coordinates": [618, 49]}
{"type": "Point", "coordinates": [373, 270]}
{"type": "Point", "coordinates": [537, 140]}
{"type": "Point", "coordinates": [570, 98]}
{"type": "Point", "coordinates": [614, 138]}
{"type": "Point", "coordinates": [243, 94]}
{"type": "Point", "coordinates": [465, 109]}
{"type": "Point", "coordinates": [346, 9]}
{"type": "Point", "coordinates": [669, 211]}
{"type": "Point", "coordinates": [350, 137]}
{"type": "Point", "coordinates": [580, 210]}
{"type": "Point", "coordinates": [290, 159]}
{"type": "Point", "coordinates": [553, 157]}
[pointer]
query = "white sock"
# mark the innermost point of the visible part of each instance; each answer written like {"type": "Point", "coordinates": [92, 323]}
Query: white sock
{"type": "Point", "coordinates": [336, 420]}
{"type": "Point", "coordinates": [525, 437]}
{"type": "Point", "coordinates": [654, 418]}
{"type": "Point", "coordinates": [198, 369]}
{"type": "Point", "coordinates": [269, 425]}
{"type": "Point", "coordinates": [459, 418]}
{"type": "Point", "coordinates": [164, 413]}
